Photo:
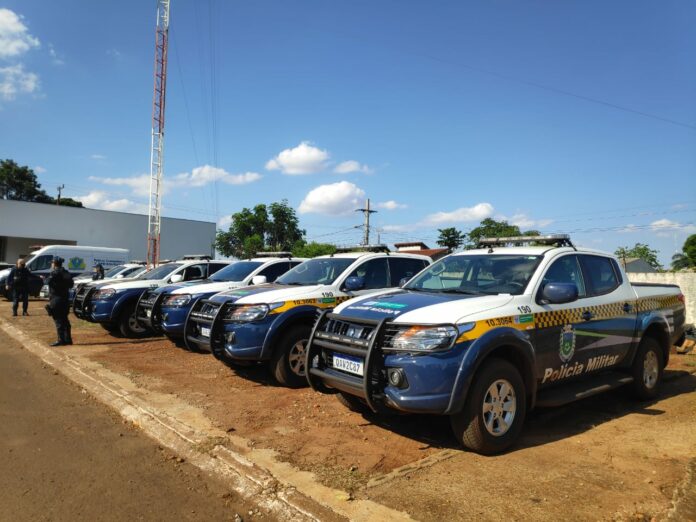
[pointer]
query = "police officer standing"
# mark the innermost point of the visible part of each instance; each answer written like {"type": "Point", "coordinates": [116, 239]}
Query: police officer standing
{"type": "Point", "coordinates": [98, 272]}
{"type": "Point", "coordinates": [18, 281]}
{"type": "Point", "coordinates": [59, 284]}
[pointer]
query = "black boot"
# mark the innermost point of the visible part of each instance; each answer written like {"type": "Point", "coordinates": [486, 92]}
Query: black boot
{"type": "Point", "coordinates": [57, 343]}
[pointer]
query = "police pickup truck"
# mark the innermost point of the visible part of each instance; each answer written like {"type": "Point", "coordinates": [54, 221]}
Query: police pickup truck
{"type": "Point", "coordinates": [272, 322]}
{"type": "Point", "coordinates": [485, 335]}
{"type": "Point", "coordinates": [164, 309]}
{"type": "Point", "coordinates": [112, 304]}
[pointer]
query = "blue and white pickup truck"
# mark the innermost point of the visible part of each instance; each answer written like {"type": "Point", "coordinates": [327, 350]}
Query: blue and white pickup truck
{"type": "Point", "coordinates": [486, 335]}
{"type": "Point", "coordinates": [272, 322]}
{"type": "Point", "coordinates": [112, 304]}
{"type": "Point", "coordinates": [164, 309]}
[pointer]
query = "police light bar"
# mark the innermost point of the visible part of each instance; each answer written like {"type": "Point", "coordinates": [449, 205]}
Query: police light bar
{"type": "Point", "coordinates": [273, 254]}
{"type": "Point", "coordinates": [558, 240]}
{"type": "Point", "coordinates": [364, 248]}
{"type": "Point", "coordinates": [196, 257]}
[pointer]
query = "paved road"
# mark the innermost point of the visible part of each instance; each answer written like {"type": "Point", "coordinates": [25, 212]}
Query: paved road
{"type": "Point", "coordinates": [63, 456]}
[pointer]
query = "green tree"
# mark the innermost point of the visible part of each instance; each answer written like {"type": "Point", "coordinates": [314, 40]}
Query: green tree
{"type": "Point", "coordinates": [313, 249]}
{"type": "Point", "coordinates": [491, 228]}
{"type": "Point", "coordinates": [687, 257]}
{"type": "Point", "coordinates": [19, 183]}
{"type": "Point", "coordinates": [640, 251]}
{"type": "Point", "coordinates": [450, 238]}
{"type": "Point", "coordinates": [258, 229]}
{"type": "Point", "coordinates": [284, 228]}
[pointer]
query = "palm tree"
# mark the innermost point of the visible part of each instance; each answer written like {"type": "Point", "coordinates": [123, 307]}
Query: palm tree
{"type": "Point", "coordinates": [680, 261]}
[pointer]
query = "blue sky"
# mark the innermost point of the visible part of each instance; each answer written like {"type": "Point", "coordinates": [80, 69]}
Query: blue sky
{"type": "Point", "coordinates": [575, 117]}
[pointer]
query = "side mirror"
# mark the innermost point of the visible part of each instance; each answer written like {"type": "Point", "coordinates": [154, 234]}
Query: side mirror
{"type": "Point", "coordinates": [259, 280]}
{"type": "Point", "coordinates": [176, 278]}
{"type": "Point", "coordinates": [354, 283]}
{"type": "Point", "coordinates": [559, 293]}
{"type": "Point", "coordinates": [403, 281]}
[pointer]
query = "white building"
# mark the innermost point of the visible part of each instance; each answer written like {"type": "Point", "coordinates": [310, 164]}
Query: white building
{"type": "Point", "coordinates": [24, 225]}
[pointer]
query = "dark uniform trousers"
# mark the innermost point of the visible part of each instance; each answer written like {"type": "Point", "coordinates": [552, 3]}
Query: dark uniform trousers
{"type": "Point", "coordinates": [60, 309]}
{"type": "Point", "coordinates": [20, 293]}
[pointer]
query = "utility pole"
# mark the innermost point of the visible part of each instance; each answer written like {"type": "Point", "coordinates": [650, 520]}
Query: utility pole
{"type": "Point", "coordinates": [366, 211]}
{"type": "Point", "coordinates": [60, 190]}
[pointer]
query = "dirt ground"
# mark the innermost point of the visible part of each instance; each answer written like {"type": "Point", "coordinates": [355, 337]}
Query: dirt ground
{"type": "Point", "coordinates": [604, 458]}
{"type": "Point", "coordinates": [67, 457]}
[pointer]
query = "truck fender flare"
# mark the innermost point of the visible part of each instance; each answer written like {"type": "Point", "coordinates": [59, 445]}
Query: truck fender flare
{"type": "Point", "coordinates": [651, 320]}
{"type": "Point", "coordinates": [125, 300]}
{"type": "Point", "coordinates": [480, 349]}
{"type": "Point", "coordinates": [298, 314]}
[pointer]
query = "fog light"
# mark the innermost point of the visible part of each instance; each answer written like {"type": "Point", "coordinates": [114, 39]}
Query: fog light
{"type": "Point", "coordinates": [396, 377]}
{"type": "Point", "coordinates": [230, 337]}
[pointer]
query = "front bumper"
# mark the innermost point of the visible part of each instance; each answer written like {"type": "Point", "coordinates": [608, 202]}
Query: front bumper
{"type": "Point", "coordinates": [427, 380]}
{"type": "Point", "coordinates": [148, 310]}
{"type": "Point", "coordinates": [101, 311]}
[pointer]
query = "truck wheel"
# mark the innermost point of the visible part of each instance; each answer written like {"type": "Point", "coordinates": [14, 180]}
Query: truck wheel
{"type": "Point", "coordinates": [128, 324]}
{"type": "Point", "coordinates": [647, 369]}
{"type": "Point", "coordinates": [112, 328]}
{"type": "Point", "coordinates": [288, 361]}
{"type": "Point", "coordinates": [353, 403]}
{"type": "Point", "coordinates": [493, 415]}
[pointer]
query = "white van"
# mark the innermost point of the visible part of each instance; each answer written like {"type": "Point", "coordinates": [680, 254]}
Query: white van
{"type": "Point", "coordinates": [78, 260]}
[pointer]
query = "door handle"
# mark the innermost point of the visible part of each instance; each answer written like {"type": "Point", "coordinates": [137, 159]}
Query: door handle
{"type": "Point", "coordinates": [627, 307]}
{"type": "Point", "coordinates": [587, 315]}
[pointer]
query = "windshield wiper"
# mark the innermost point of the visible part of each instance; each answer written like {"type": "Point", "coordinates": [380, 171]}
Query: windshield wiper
{"type": "Point", "coordinates": [460, 291]}
{"type": "Point", "coordinates": [294, 283]}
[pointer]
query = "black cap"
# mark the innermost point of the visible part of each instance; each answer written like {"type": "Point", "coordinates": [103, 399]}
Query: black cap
{"type": "Point", "coordinates": [98, 265]}
{"type": "Point", "coordinates": [58, 260]}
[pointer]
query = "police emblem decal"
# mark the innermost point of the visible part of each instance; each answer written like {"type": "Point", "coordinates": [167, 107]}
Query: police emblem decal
{"type": "Point", "coordinates": [76, 263]}
{"type": "Point", "coordinates": [567, 343]}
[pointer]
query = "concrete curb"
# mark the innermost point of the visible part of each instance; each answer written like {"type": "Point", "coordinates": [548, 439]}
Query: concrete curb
{"type": "Point", "coordinates": [255, 474]}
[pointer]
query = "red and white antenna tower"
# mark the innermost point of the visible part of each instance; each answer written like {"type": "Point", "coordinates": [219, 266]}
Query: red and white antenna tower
{"type": "Point", "coordinates": [157, 148]}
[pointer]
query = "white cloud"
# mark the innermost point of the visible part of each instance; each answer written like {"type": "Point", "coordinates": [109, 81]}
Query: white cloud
{"type": "Point", "coordinates": [461, 215]}
{"type": "Point", "coordinates": [349, 166]}
{"type": "Point", "coordinates": [114, 53]}
{"type": "Point", "coordinates": [205, 174]}
{"type": "Point", "coordinates": [400, 228]}
{"type": "Point", "coordinates": [303, 159]}
{"type": "Point", "coordinates": [39, 169]}
{"type": "Point", "coordinates": [525, 222]}
{"type": "Point", "coordinates": [391, 205]}
{"type": "Point", "coordinates": [98, 157]}
{"type": "Point", "coordinates": [140, 185]}
{"type": "Point", "coordinates": [224, 222]}
{"type": "Point", "coordinates": [333, 199]}
{"type": "Point", "coordinates": [666, 227]}
{"type": "Point", "coordinates": [55, 58]}
{"type": "Point", "coordinates": [15, 39]}
{"type": "Point", "coordinates": [101, 200]}
{"type": "Point", "coordinates": [628, 229]}
{"type": "Point", "coordinates": [15, 80]}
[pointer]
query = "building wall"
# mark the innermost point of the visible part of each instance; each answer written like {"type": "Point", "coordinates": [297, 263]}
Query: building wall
{"type": "Point", "coordinates": [685, 280]}
{"type": "Point", "coordinates": [22, 223]}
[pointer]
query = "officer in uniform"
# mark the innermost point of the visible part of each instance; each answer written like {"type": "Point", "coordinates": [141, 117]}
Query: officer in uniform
{"type": "Point", "coordinates": [59, 284]}
{"type": "Point", "coordinates": [18, 281]}
{"type": "Point", "coordinates": [98, 272]}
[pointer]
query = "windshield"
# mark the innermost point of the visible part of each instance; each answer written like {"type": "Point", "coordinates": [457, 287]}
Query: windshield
{"type": "Point", "coordinates": [477, 274]}
{"type": "Point", "coordinates": [111, 272]}
{"type": "Point", "coordinates": [161, 271]}
{"type": "Point", "coordinates": [236, 271]}
{"type": "Point", "coordinates": [134, 272]}
{"type": "Point", "coordinates": [322, 271]}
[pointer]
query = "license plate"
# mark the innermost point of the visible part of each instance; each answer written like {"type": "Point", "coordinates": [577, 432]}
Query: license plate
{"type": "Point", "coordinates": [348, 364]}
{"type": "Point", "coordinates": [205, 332]}
{"type": "Point", "coordinates": [148, 313]}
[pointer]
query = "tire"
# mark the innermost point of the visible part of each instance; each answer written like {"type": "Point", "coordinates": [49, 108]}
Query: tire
{"type": "Point", "coordinates": [112, 328]}
{"type": "Point", "coordinates": [475, 428]}
{"type": "Point", "coordinates": [288, 361]}
{"type": "Point", "coordinates": [647, 369]}
{"type": "Point", "coordinates": [128, 325]}
{"type": "Point", "coordinates": [353, 403]}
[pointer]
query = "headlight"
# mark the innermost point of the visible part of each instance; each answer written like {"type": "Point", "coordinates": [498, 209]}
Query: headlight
{"type": "Point", "coordinates": [424, 339]}
{"type": "Point", "coordinates": [249, 313]}
{"type": "Point", "coordinates": [107, 293]}
{"type": "Point", "coordinates": [177, 300]}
